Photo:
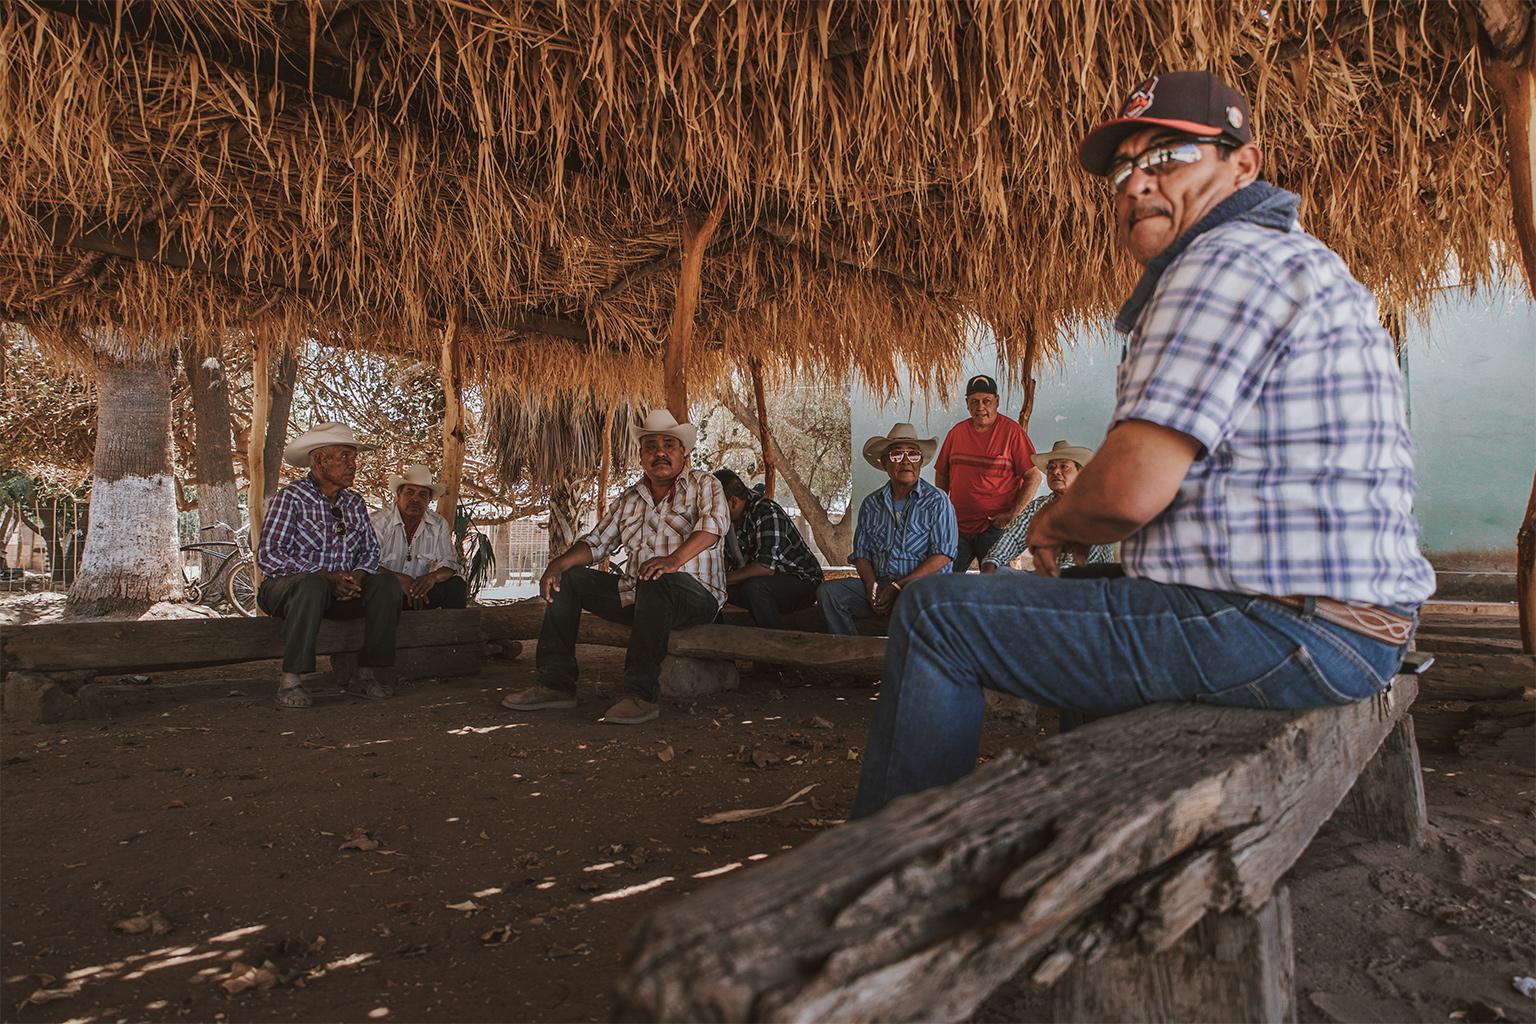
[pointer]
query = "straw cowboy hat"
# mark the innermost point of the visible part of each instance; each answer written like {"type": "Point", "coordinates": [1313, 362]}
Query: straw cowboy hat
{"type": "Point", "coordinates": [416, 476]}
{"type": "Point", "coordinates": [874, 448]}
{"type": "Point", "coordinates": [660, 421]}
{"type": "Point", "coordinates": [318, 436]}
{"type": "Point", "coordinates": [1063, 450]}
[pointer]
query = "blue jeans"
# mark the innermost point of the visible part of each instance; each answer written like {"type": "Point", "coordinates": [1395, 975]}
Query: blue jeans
{"type": "Point", "coordinates": [842, 602]}
{"type": "Point", "coordinates": [1093, 646]}
{"type": "Point", "coordinates": [974, 547]}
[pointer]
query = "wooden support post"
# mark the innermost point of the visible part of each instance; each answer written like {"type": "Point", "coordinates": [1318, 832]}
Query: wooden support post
{"type": "Point", "coordinates": [1525, 574]}
{"type": "Point", "coordinates": [1387, 800]}
{"type": "Point", "coordinates": [256, 442]}
{"type": "Point", "coordinates": [1031, 354]}
{"type": "Point", "coordinates": [763, 436]}
{"type": "Point", "coordinates": [1229, 967]}
{"type": "Point", "coordinates": [696, 238]}
{"type": "Point", "coordinates": [1515, 82]}
{"type": "Point", "coordinates": [604, 470]}
{"type": "Point", "coordinates": [453, 422]}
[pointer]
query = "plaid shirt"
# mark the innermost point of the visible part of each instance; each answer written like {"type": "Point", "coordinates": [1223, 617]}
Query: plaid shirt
{"type": "Point", "coordinates": [1260, 345]}
{"type": "Point", "coordinates": [897, 545]}
{"type": "Point", "coordinates": [1013, 541]}
{"type": "Point", "coordinates": [300, 533]}
{"type": "Point", "coordinates": [768, 536]}
{"type": "Point", "coordinates": [647, 530]}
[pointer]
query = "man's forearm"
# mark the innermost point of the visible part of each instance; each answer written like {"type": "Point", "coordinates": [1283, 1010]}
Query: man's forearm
{"type": "Point", "coordinates": [1028, 488]}
{"type": "Point", "coordinates": [698, 541]}
{"type": "Point", "coordinates": [749, 571]}
{"type": "Point", "coordinates": [927, 567]}
{"type": "Point", "coordinates": [866, 570]}
{"type": "Point", "coordinates": [577, 554]}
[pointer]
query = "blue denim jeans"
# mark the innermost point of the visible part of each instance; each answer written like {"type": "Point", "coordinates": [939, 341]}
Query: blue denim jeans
{"type": "Point", "coordinates": [1094, 646]}
{"type": "Point", "coordinates": [974, 547]}
{"type": "Point", "coordinates": [842, 604]}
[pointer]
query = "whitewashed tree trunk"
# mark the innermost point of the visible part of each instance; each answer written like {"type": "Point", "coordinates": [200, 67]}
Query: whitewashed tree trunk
{"type": "Point", "coordinates": [130, 557]}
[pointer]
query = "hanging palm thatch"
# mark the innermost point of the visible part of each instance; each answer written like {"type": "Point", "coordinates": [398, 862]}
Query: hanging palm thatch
{"type": "Point", "coordinates": [360, 172]}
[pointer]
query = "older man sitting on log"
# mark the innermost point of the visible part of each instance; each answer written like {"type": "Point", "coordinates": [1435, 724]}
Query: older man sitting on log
{"type": "Point", "coordinates": [671, 524]}
{"type": "Point", "coordinates": [320, 559]}
{"type": "Point", "coordinates": [416, 544]}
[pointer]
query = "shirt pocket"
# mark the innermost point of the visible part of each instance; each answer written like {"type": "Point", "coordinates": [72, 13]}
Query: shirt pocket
{"type": "Point", "coordinates": [680, 522]}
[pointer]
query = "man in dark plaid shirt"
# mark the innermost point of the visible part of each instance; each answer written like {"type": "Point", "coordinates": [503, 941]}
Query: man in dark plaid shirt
{"type": "Point", "coordinates": [776, 571]}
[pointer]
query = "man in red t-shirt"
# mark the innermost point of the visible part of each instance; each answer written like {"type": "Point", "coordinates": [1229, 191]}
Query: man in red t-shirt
{"type": "Point", "coordinates": [987, 467]}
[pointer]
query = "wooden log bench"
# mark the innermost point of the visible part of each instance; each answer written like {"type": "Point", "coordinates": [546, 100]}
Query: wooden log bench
{"type": "Point", "coordinates": [48, 671]}
{"type": "Point", "coordinates": [1134, 867]}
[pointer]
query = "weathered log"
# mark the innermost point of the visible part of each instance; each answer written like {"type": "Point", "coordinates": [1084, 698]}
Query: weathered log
{"type": "Point", "coordinates": [1121, 835]}
{"type": "Point", "coordinates": [1387, 800]}
{"type": "Point", "coordinates": [852, 655]}
{"type": "Point", "coordinates": [1479, 677]}
{"type": "Point", "coordinates": [1229, 967]}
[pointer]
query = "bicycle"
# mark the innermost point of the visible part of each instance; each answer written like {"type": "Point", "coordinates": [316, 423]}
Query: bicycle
{"type": "Point", "coordinates": [234, 575]}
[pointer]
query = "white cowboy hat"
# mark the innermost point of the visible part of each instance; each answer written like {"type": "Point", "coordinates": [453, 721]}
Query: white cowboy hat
{"type": "Point", "coordinates": [1063, 450]}
{"type": "Point", "coordinates": [874, 448]}
{"type": "Point", "coordinates": [660, 421]}
{"type": "Point", "coordinates": [417, 476]}
{"type": "Point", "coordinates": [318, 436]}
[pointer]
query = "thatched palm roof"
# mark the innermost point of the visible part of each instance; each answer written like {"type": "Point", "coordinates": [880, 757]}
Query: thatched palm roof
{"type": "Point", "coordinates": [362, 170]}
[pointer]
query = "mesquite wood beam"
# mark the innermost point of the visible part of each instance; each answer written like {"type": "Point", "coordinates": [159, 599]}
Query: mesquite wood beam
{"type": "Point", "coordinates": [256, 442]}
{"type": "Point", "coordinates": [696, 235]}
{"type": "Point", "coordinates": [764, 438]}
{"type": "Point", "coordinates": [453, 422]}
{"type": "Point", "coordinates": [1525, 574]}
{"type": "Point", "coordinates": [1512, 72]}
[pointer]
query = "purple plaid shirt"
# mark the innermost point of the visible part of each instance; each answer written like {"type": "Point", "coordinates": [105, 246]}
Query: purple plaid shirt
{"type": "Point", "coordinates": [300, 533]}
{"type": "Point", "coordinates": [1260, 345]}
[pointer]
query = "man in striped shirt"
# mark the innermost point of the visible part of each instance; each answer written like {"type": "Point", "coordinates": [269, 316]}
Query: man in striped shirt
{"type": "Point", "coordinates": [671, 525]}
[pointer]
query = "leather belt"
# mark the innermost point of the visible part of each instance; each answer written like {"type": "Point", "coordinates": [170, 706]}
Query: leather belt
{"type": "Point", "coordinates": [1368, 620]}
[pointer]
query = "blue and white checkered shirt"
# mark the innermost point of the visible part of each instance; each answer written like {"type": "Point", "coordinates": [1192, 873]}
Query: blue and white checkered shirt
{"type": "Point", "coordinates": [1260, 345]}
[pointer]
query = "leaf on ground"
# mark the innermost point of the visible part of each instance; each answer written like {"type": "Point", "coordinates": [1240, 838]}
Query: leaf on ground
{"type": "Point", "coordinates": [359, 839]}
{"type": "Point", "coordinates": [764, 758]}
{"type": "Point", "coordinates": [853, 754]}
{"type": "Point", "coordinates": [48, 995]}
{"type": "Point", "coordinates": [497, 936]}
{"type": "Point", "coordinates": [173, 805]}
{"type": "Point", "coordinates": [558, 952]}
{"type": "Point", "coordinates": [666, 754]}
{"type": "Point", "coordinates": [153, 922]}
{"type": "Point", "coordinates": [242, 977]}
{"type": "Point", "coordinates": [723, 817]}
{"type": "Point", "coordinates": [817, 722]}
{"type": "Point", "coordinates": [468, 906]}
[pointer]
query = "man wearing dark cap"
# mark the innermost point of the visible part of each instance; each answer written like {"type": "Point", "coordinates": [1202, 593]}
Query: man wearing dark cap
{"type": "Point", "coordinates": [1258, 472]}
{"type": "Point", "coordinates": [987, 467]}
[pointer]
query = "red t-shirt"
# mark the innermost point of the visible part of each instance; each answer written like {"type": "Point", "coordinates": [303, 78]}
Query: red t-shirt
{"type": "Point", "coordinates": [985, 469]}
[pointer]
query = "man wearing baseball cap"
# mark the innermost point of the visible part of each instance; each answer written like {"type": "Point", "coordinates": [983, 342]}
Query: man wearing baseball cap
{"type": "Point", "coordinates": [987, 468]}
{"type": "Point", "coordinates": [1258, 473]}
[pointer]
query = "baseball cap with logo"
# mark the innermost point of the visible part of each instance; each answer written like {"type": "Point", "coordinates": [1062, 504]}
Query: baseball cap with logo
{"type": "Point", "coordinates": [981, 382]}
{"type": "Point", "coordinates": [1188, 101]}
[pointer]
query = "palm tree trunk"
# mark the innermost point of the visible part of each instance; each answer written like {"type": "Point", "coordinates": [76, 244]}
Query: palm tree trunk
{"type": "Point", "coordinates": [130, 556]}
{"type": "Point", "coordinates": [218, 499]}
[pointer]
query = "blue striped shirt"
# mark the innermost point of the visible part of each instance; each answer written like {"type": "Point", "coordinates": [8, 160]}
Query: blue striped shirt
{"type": "Point", "coordinates": [1260, 345]}
{"type": "Point", "coordinates": [897, 544]}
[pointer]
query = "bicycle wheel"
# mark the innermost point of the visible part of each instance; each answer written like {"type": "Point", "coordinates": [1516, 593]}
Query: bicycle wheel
{"type": "Point", "coordinates": [240, 585]}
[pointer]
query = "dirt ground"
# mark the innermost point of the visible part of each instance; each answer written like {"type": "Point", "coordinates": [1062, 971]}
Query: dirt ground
{"type": "Point", "coordinates": [437, 858]}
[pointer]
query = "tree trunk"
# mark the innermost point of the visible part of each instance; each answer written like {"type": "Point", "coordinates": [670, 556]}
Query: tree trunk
{"type": "Point", "coordinates": [564, 515]}
{"type": "Point", "coordinates": [277, 421]}
{"type": "Point", "coordinates": [130, 559]}
{"type": "Point", "coordinates": [834, 539]}
{"type": "Point", "coordinates": [218, 499]}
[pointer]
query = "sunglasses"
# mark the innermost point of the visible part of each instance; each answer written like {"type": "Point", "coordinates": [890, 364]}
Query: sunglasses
{"type": "Point", "coordinates": [341, 523]}
{"type": "Point", "coordinates": [1163, 157]}
{"type": "Point", "coordinates": [904, 456]}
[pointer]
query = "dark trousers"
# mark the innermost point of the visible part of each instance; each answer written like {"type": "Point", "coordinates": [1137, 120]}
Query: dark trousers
{"type": "Point", "coordinates": [974, 546]}
{"type": "Point", "coordinates": [452, 592]}
{"type": "Point", "coordinates": [766, 597]}
{"type": "Point", "coordinates": [302, 600]}
{"type": "Point", "coordinates": [660, 606]}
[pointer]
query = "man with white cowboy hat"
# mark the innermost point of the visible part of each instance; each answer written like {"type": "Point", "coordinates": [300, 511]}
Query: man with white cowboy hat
{"type": "Point", "coordinates": [906, 531]}
{"type": "Point", "coordinates": [671, 525]}
{"type": "Point", "coordinates": [416, 544]}
{"type": "Point", "coordinates": [320, 559]}
{"type": "Point", "coordinates": [1060, 465]}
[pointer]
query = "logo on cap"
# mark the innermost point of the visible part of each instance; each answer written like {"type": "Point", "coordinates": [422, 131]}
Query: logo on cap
{"type": "Point", "coordinates": [1234, 117]}
{"type": "Point", "coordinates": [1141, 99]}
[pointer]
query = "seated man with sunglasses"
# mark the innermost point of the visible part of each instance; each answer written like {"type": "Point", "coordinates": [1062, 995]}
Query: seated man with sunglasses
{"type": "Point", "coordinates": [319, 558]}
{"type": "Point", "coordinates": [907, 530]}
{"type": "Point", "coordinates": [1258, 471]}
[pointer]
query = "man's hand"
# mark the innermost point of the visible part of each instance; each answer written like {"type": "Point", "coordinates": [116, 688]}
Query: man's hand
{"type": "Point", "coordinates": [885, 598]}
{"type": "Point", "coordinates": [987, 568]}
{"type": "Point", "coordinates": [345, 585]}
{"type": "Point", "coordinates": [1048, 545]}
{"type": "Point", "coordinates": [655, 568]}
{"type": "Point", "coordinates": [549, 583]}
{"type": "Point", "coordinates": [1003, 521]}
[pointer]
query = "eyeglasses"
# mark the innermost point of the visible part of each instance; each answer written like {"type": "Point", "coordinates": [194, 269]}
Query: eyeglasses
{"type": "Point", "coordinates": [1163, 157]}
{"type": "Point", "coordinates": [341, 522]}
{"type": "Point", "coordinates": [904, 456]}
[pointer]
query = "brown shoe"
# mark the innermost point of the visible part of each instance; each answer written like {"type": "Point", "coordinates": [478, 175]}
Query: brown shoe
{"type": "Point", "coordinates": [632, 711]}
{"type": "Point", "coordinates": [537, 698]}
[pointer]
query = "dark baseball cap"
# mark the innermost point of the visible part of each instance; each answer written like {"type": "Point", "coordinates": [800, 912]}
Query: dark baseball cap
{"type": "Point", "coordinates": [981, 382]}
{"type": "Point", "coordinates": [1188, 101]}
